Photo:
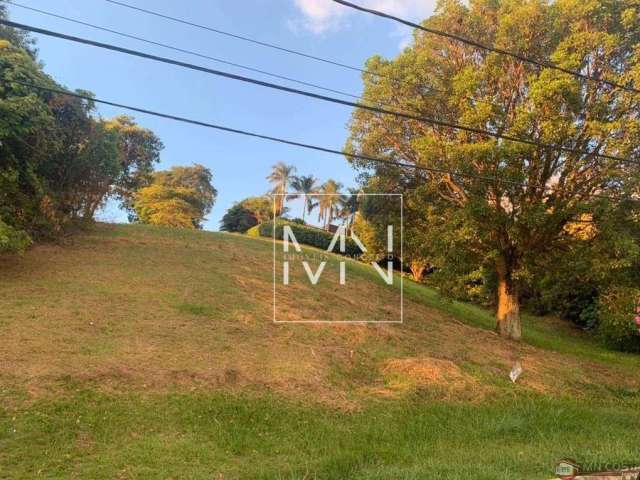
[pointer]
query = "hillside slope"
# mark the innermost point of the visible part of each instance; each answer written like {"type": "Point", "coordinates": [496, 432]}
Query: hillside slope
{"type": "Point", "coordinates": [139, 352]}
{"type": "Point", "coordinates": [146, 308]}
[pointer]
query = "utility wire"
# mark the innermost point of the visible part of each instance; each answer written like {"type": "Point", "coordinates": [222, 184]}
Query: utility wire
{"type": "Point", "coordinates": [237, 65]}
{"type": "Point", "coordinates": [286, 141]}
{"type": "Point", "coordinates": [317, 96]}
{"type": "Point", "coordinates": [239, 37]}
{"type": "Point", "coordinates": [473, 43]}
{"type": "Point", "coordinates": [251, 134]}
{"type": "Point", "coordinates": [182, 50]}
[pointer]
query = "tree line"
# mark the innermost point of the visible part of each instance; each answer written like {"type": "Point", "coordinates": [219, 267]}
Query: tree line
{"type": "Point", "coordinates": [328, 198]}
{"type": "Point", "coordinates": [505, 223]}
{"type": "Point", "coordinates": [517, 224]}
{"type": "Point", "coordinates": [60, 162]}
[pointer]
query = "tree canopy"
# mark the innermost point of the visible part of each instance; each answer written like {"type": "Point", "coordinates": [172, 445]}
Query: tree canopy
{"type": "Point", "coordinates": [59, 162]}
{"type": "Point", "coordinates": [180, 197]}
{"type": "Point", "coordinates": [247, 213]}
{"type": "Point", "coordinates": [514, 216]}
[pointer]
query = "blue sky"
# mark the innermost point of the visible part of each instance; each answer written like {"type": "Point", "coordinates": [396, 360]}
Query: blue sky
{"type": "Point", "coordinates": [239, 165]}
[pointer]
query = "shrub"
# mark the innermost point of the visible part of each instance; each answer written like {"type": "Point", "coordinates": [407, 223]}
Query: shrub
{"type": "Point", "coordinates": [238, 219]}
{"type": "Point", "coordinates": [617, 312]}
{"type": "Point", "coordinates": [253, 231]}
{"type": "Point", "coordinates": [306, 235]}
{"type": "Point", "coordinates": [12, 240]}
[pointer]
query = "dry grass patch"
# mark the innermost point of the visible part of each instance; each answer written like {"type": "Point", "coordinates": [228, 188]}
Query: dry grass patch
{"type": "Point", "coordinates": [137, 308]}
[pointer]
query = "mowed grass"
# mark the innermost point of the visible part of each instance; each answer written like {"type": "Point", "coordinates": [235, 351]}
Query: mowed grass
{"type": "Point", "coordinates": [89, 435]}
{"type": "Point", "coordinates": [141, 352]}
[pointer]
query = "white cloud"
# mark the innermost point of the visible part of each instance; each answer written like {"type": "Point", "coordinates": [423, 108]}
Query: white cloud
{"type": "Point", "coordinates": [320, 16]}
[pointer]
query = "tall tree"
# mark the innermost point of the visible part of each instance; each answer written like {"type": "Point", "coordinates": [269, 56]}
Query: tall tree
{"type": "Point", "coordinates": [17, 38]}
{"type": "Point", "coordinates": [281, 176]}
{"type": "Point", "coordinates": [180, 197]}
{"type": "Point", "coordinates": [512, 222]}
{"type": "Point", "coordinates": [57, 162]}
{"type": "Point", "coordinates": [305, 186]}
{"type": "Point", "coordinates": [328, 201]}
{"type": "Point", "coordinates": [246, 213]}
{"type": "Point", "coordinates": [80, 170]}
{"type": "Point", "coordinates": [348, 206]}
{"type": "Point", "coordinates": [139, 149]}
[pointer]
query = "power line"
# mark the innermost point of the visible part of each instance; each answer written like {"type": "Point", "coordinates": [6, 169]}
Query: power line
{"type": "Point", "coordinates": [473, 43]}
{"type": "Point", "coordinates": [239, 37]}
{"type": "Point", "coordinates": [182, 50]}
{"type": "Point", "coordinates": [433, 121]}
{"type": "Point", "coordinates": [233, 64]}
{"type": "Point", "coordinates": [286, 141]}
{"type": "Point", "coordinates": [250, 134]}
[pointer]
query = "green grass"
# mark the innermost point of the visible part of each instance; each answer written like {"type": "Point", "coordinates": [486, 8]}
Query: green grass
{"type": "Point", "coordinates": [89, 435]}
{"type": "Point", "coordinates": [141, 352]}
{"type": "Point", "coordinates": [542, 332]}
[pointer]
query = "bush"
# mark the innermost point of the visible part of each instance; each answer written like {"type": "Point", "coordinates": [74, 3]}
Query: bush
{"type": "Point", "coordinates": [617, 312]}
{"type": "Point", "coordinates": [306, 235]}
{"type": "Point", "coordinates": [12, 240]}
{"type": "Point", "coordinates": [253, 231]}
{"type": "Point", "coordinates": [238, 219]}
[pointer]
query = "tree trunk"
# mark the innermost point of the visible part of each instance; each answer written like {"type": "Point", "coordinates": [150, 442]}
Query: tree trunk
{"type": "Point", "coordinates": [304, 206]}
{"type": "Point", "coordinates": [508, 315]}
{"type": "Point", "coordinates": [417, 268]}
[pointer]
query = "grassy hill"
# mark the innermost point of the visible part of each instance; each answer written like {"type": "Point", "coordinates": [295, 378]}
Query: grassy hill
{"type": "Point", "coordinates": [138, 352]}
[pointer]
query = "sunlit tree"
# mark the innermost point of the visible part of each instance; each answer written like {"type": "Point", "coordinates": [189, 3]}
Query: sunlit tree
{"type": "Point", "coordinates": [506, 204]}
{"type": "Point", "coordinates": [281, 176]}
{"type": "Point", "coordinates": [304, 187]}
{"type": "Point", "coordinates": [328, 202]}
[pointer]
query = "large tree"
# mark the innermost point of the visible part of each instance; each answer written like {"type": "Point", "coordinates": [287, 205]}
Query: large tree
{"type": "Point", "coordinates": [246, 213]}
{"type": "Point", "coordinates": [80, 170]}
{"type": "Point", "coordinates": [328, 196]}
{"type": "Point", "coordinates": [139, 151]}
{"type": "Point", "coordinates": [305, 186]}
{"type": "Point", "coordinates": [516, 214]}
{"type": "Point", "coordinates": [281, 176]}
{"type": "Point", "coordinates": [180, 197]}
{"type": "Point", "coordinates": [57, 162]}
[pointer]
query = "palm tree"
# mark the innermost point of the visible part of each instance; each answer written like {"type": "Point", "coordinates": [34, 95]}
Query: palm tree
{"type": "Point", "coordinates": [348, 206]}
{"type": "Point", "coordinates": [280, 176]}
{"type": "Point", "coordinates": [305, 186]}
{"type": "Point", "coordinates": [328, 200]}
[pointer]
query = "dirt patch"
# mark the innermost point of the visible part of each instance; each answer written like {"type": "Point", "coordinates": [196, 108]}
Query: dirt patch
{"type": "Point", "coordinates": [424, 372]}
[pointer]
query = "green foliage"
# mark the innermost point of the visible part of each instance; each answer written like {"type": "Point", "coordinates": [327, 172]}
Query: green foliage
{"type": "Point", "coordinates": [12, 240]}
{"type": "Point", "coordinates": [617, 313]}
{"type": "Point", "coordinates": [238, 219]}
{"type": "Point", "coordinates": [180, 198]}
{"type": "Point", "coordinates": [305, 186]}
{"type": "Point", "coordinates": [603, 251]}
{"type": "Point", "coordinates": [307, 235]}
{"type": "Point", "coordinates": [246, 214]}
{"type": "Point", "coordinates": [139, 150]}
{"type": "Point", "coordinates": [253, 231]}
{"type": "Point", "coordinates": [18, 38]}
{"type": "Point", "coordinates": [58, 163]}
{"type": "Point", "coordinates": [329, 201]}
{"type": "Point", "coordinates": [281, 177]}
{"type": "Point", "coordinates": [509, 226]}
{"type": "Point", "coordinates": [78, 174]}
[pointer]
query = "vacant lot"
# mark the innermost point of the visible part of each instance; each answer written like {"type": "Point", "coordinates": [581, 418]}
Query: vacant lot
{"type": "Point", "coordinates": [137, 352]}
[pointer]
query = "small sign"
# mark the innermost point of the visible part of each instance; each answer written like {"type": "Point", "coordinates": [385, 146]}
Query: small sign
{"type": "Point", "coordinates": [567, 469]}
